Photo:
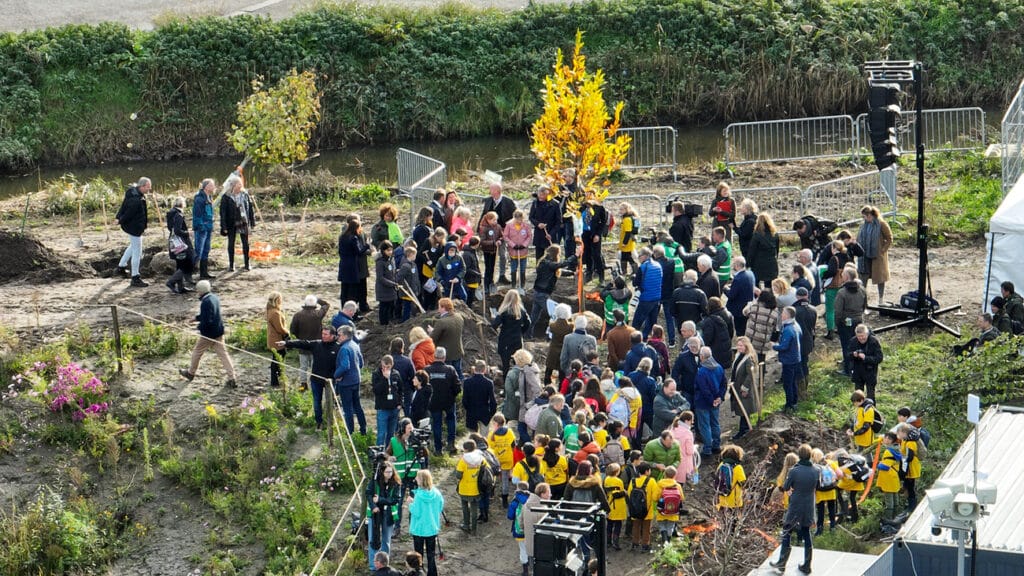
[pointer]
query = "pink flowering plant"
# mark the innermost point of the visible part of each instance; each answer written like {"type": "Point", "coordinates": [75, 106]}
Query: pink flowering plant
{"type": "Point", "coordinates": [258, 414]}
{"type": "Point", "coordinates": [65, 388]}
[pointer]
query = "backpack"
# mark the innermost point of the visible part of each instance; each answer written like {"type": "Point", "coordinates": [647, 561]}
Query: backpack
{"type": "Point", "coordinates": [1016, 327]}
{"type": "Point", "coordinates": [637, 501]}
{"type": "Point", "coordinates": [492, 462]}
{"type": "Point", "coordinates": [879, 422]}
{"type": "Point", "coordinates": [614, 452]}
{"type": "Point", "coordinates": [915, 435]}
{"type": "Point", "coordinates": [515, 514]}
{"type": "Point", "coordinates": [485, 478]}
{"type": "Point", "coordinates": [723, 480]}
{"type": "Point", "coordinates": [533, 476]}
{"type": "Point", "coordinates": [619, 409]}
{"type": "Point", "coordinates": [533, 415]}
{"type": "Point", "coordinates": [857, 467]}
{"type": "Point", "coordinates": [826, 478]}
{"type": "Point", "coordinates": [670, 501]}
{"type": "Point", "coordinates": [582, 496]}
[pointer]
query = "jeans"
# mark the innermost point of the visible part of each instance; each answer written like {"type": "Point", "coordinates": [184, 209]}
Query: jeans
{"type": "Point", "coordinates": [790, 374]}
{"type": "Point", "coordinates": [407, 310]}
{"type": "Point", "coordinates": [132, 253]}
{"type": "Point", "coordinates": [802, 533]}
{"type": "Point", "coordinates": [646, 316]}
{"type": "Point", "coordinates": [457, 364]}
{"type": "Point", "coordinates": [710, 432]}
{"type": "Point", "coordinates": [316, 386]}
{"type": "Point", "coordinates": [435, 425]}
{"type": "Point", "coordinates": [523, 433]}
{"type": "Point", "coordinates": [540, 307]}
{"type": "Point", "coordinates": [845, 334]}
{"type": "Point", "coordinates": [426, 546]}
{"type": "Point", "coordinates": [387, 423]}
{"type": "Point", "coordinates": [305, 367]}
{"type": "Point", "coordinates": [385, 538]}
{"type": "Point", "coordinates": [520, 265]}
{"type": "Point", "coordinates": [349, 397]}
{"type": "Point", "coordinates": [202, 244]}
{"type": "Point", "coordinates": [670, 321]}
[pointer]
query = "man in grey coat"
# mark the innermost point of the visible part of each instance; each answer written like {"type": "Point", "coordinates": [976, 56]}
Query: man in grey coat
{"type": "Point", "coordinates": [577, 344]}
{"type": "Point", "coordinates": [667, 405]}
{"type": "Point", "coordinates": [550, 420]}
{"type": "Point", "coordinates": [803, 481]}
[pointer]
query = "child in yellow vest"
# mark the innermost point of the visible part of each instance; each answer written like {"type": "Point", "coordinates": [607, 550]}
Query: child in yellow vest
{"type": "Point", "coordinates": [848, 489]}
{"type": "Point", "coordinates": [863, 419]}
{"type": "Point", "coordinates": [911, 464]}
{"type": "Point", "coordinates": [732, 456]}
{"type": "Point", "coordinates": [467, 470]}
{"type": "Point", "coordinates": [669, 505]}
{"type": "Point", "coordinates": [823, 498]}
{"type": "Point", "coordinates": [642, 526]}
{"type": "Point", "coordinates": [616, 493]}
{"type": "Point", "coordinates": [889, 463]}
{"type": "Point", "coordinates": [627, 236]}
{"type": "Point", "coordinates": [502, 439]}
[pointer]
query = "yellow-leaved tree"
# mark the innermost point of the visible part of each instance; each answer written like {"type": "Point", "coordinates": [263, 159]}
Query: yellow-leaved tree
{"type": "Point", "coordinates": [577, 131]}
{"type": "Point", "coordinates": [274, 124]}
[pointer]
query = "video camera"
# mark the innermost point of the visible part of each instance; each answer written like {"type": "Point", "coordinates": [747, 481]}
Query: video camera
{"type": "Point", "coordinates": [651, 238]}
{"type": "Point", "coordinates": [689, 210]}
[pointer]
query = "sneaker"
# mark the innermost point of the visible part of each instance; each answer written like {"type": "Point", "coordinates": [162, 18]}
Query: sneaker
{"type": "Point", "coordinates": [186, 289]}
{"type": "Point", "coordinates": [138, 283]}
{"type": "Point", "coordinates": [186, 374]}
{"type": "Point", "coordinates": [122, 270]}
{"type": "Point", "coordinates": [231, 383]}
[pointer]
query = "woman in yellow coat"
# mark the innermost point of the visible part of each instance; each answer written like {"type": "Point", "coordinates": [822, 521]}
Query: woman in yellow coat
{"type": "Point", "coordinates": [823, 498]}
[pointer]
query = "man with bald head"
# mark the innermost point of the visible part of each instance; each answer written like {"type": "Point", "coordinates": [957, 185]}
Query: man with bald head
{"type": "Point", "coordinates": [505, 208]}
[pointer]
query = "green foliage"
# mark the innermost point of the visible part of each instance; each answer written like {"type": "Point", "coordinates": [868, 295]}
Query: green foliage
{"type": "Point", "coordinates": [274, 124]}
{"type": "Point", "coordinates": [249, 335]}
{"type": "Point", "coordinates": [673, 554]}
{"type": "Point", "coordinates": [86, 92]}
{"type": "Point", "coordinates": [963, 210]}
{"type": "Point", "coordinates": [52, 536]}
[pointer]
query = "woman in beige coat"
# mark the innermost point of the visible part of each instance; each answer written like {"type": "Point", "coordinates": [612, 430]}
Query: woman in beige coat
{"type": "Point", "coordinates": [875, 238]}
{"type": "Point", "coordinates": [276, 333]}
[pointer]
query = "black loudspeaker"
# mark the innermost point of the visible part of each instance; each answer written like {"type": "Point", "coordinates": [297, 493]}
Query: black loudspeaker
{"type": "Point", "coordinates": [550, 548]}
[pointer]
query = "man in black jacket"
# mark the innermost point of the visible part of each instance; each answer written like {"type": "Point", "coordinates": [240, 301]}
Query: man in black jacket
{"type": "Point", "coordinates": [682, 226]}
{"type": "Point", "coordinates": [667, 291]}
{"type": "Point", "coordinates": [865, 354]}
{"type": "Point", "coordinates": [548, 270]}
{"type": "Point", "coordinates": [595, 227]}
{"type": "Point", "coordinates": [445, 384]}
{"type": "Point", "coordinates": [688, 301]}
{"type": "Point", "coordinates": [324, 353]}
{"type": "Point", "coordinates": [505, 208]}
{"type": "Point", "coordinates": [387, 397]}
{"type": "Point", "coordinates": [437, 210]}
{"type": "Point", "coordinates": [806, 318]}
{"type": "Point", "coordinates": [478, 398]}
{"type": "Point", "coordinates": [546, 220]}
{"type": "Point", "coordinates": [133, 217]}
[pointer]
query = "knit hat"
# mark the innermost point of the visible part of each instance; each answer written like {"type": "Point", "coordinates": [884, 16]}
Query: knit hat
{"type": "Point", "coordinates": [998, 302]}
{"type": "Point", "coordinates": [203, 287]}
{"type": "Point", "coordinates": [801, 292]}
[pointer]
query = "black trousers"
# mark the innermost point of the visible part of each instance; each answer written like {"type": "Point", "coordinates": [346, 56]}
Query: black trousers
{"type": "Point", "coordinates": [593, 261]}
{"type": "Point", "coordinates": [231, 247]}
{"type": "Point", "coordinates": [275, 368]}
{"type": "Point", "coordinates": [426, 546]}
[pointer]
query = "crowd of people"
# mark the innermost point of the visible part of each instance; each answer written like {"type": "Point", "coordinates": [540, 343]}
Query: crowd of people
{"type": "Point", "coordinates": [620, 429]}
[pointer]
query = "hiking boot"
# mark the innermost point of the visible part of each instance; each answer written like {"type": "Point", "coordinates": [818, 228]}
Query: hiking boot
{"type": "Point", "coordinates": [172, 287]}
{"type": "Point", "coordinates": [186, 374]}
{"type": "Point", "coordinates": [504, 280]}
{"type": "Point", "coordinates": [783, 558]}
{"type": "Point", "coordinates": [231, 383]}
{"type": "Point", "coordinates": [122, 270]}
{"type": "Point", "coordinates": [138, 283]}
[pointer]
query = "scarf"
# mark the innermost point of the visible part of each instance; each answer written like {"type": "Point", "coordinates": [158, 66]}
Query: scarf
{"type": "Point", "coordinates": [710, 363]}
{"type": "Point", "coordinates": [868, 237]}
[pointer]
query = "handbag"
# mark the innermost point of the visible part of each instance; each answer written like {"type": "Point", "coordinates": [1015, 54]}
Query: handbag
{"type": "Point", "coordinates": [430, 285]}
{"type": "Point", "coordinates": [176, 247]}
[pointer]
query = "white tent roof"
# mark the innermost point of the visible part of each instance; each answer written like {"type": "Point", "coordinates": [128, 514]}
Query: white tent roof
{"type": "Point", "coordinates": [1009, 217]}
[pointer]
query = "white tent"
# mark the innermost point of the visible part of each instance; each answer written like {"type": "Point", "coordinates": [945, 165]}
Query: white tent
{"type": "Point", "coordinates": [1005, 241]}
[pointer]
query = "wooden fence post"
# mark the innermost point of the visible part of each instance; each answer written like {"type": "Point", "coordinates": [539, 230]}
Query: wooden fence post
{"type": "Point", "coordinates": [117, 338]}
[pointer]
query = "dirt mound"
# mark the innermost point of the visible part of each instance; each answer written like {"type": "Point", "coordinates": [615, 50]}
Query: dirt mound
{"type": "Point", "coordinates": [25, 258]}
{"type": "Point", "coordinates": [479, 339]}
{"type": "Point", "coordinates": [788, 433]}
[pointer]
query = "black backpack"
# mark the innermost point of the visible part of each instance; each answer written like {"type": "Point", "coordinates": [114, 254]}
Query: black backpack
{"type": "Point", "coordinates": [533, 476]}
{"type": "Point", "coordinates": [485, 478]}
{"type": "Point", "coordinates": [637, 501]}
{"type": "Point", "coordinates": [879, 422]}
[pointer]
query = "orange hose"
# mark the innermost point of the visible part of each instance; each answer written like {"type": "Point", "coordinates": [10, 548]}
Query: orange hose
{"type": "Point", "coordinates": [874, 472]}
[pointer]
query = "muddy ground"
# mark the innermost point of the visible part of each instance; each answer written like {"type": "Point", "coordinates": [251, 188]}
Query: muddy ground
{"type": "Point", "coordinates": [56, 280]}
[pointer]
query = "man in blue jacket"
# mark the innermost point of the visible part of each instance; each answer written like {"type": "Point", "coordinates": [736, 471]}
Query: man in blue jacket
{"type": "Point", "coordinates": [788, 348]}
{"type": "Point", "coordinates": [346, 378]}
{"type": "Point", "coordinates": [739, 292]}
{"type": "Point", "coordinates": [211, 334]}
{"type": "Point", "coordinates": [710, 389]}
{"type": "Point", "coordinates": [648, 281]}
{"type": "Point", "coordinates": [202, 226]}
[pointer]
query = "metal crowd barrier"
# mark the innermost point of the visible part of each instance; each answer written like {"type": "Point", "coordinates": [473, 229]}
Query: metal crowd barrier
{"type": "Point", "coordinates": [945, 130]}
{"type": "Point", "coordinates": [1013, 140]}
{"type": "Point", "coordinates": [841, 200]}
{"type": "Point", "coordinates": [650, 208]}
{"type": "Point", "coordinates": [651, 147]}
{"type": "Point", "coordinates": [419, 176]}
{"type": "Point", "coordinates": [784, 203]}
{"type": "Point", "coordinates": [793, 139]}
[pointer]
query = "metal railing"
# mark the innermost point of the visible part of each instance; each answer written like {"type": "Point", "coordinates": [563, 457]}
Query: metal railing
{"type": "Point", "coordinates": [419, 176]}
{"type": "Point", "coordinates": [784, 203]}
{"type": "Point", "coordinates": [651, 148]}
{"type": "Point", "coordinates": [650, 208]}
{"type": "Point", "coordinates": [841, 200]}
{"type": "Point", "coordinates": [793, 139]}
{"type": "Point", "coordinates": [1013, 140]}
{"type": "Point", "coordinates": [945, 130]}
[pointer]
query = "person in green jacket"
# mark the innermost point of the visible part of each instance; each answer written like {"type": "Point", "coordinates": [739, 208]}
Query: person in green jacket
{"type": "Point", "coordinates": [661, 453]}
{"type": "Point", "coordinates": [673, 251]}
{"type": "Point", "coordinates": [723, 255]}
{"type": "Point", "coordinates": [616, 296]}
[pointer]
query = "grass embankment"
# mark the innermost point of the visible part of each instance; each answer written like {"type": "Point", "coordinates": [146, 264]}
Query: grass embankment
{"type": "Point", "coordinates": [97, 93]}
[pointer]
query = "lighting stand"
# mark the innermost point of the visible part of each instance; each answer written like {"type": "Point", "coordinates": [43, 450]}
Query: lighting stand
{"type": "Point", "coordinates": [909, 72]}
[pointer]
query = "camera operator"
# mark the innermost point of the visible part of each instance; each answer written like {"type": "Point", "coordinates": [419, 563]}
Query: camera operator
{"type": "Point", "coordinates": [410, 457]}
{"type": "Point", "coordinates": [814, 233]}
{"type": "Point", "coordinates": [682, 225]}
{"type": "Point", "coordinates": [382, 506]}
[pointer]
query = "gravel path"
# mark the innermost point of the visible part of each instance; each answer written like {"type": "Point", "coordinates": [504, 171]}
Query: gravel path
{"type": "Point", "coordinates": [21, 15]}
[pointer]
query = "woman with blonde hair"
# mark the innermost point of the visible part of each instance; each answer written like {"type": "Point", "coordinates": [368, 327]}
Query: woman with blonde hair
{"type": "Point", "coordinates": [276, 335]}
{"type": "Point", "coordinates": [236, 217]}
{"type": "Point", "coordinates": [426, 505]}
{"type": "Point", "coordinates": [785, 295]}
{"type": "Point", "coordinates": [744, 395]}
{"type": "Point", "coordinates": [512, 322]}
{"type": "Point", "coordinates": [745, 231]}
{"type": "Point", "coordinates": [421, 348]}
{"type": "Point", "coordinates": [763, 258]}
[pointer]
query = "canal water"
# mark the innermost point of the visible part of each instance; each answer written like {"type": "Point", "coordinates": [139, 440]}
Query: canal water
{"type": "Point", "coordinates": [510, 156]}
